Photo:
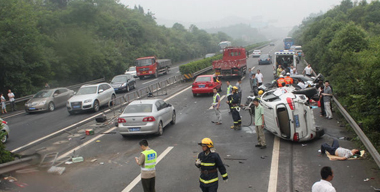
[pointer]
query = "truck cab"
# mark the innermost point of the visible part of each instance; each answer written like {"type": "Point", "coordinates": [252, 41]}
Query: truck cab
{"type": "Point", "coordinates": [234, 62]}
{"type": "Point", "coordinates": [151, 66]}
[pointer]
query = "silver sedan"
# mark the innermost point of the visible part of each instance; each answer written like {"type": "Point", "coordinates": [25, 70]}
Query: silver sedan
{"type": "Point", "coordinates": [146, 117]}
{"type": "Point", "coordinates": [48, 99]}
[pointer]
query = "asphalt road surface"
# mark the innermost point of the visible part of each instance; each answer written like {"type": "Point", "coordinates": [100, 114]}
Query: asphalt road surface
{"type": "Point", "coordinates": [282, 166]}
{"type": "Point", "coordinates": [26, 128]}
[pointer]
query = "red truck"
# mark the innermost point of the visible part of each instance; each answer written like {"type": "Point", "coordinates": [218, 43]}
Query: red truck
{"type": "Point", "coordinates": [151, 66]}
{"type": "Point", "coordinates": [234, 62]}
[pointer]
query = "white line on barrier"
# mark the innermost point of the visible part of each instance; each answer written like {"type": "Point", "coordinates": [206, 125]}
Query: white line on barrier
{"type": "Point", "coordinates": [138, 178]}
{"type": "Point", "coordinates": [150, 81]}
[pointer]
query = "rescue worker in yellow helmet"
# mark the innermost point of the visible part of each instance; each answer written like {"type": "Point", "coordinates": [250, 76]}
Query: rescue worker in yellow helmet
{"type": "Point", "coordinates": [208, 162]}
{"type": "Point", "coordinates": [234, 103]}
{"type": "Point", "coordinates": [261, 92]}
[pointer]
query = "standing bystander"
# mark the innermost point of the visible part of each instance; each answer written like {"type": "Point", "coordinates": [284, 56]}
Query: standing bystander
{"type": "Point", "coordinates": [215, 105]}
{"type": "Point", "coordinates": [259, 77]}
{"type": "Point", "coordinates": [3, 105]}
{"type": "Point", "coordinates": [254, 84]}
{"type": "Point", "coordinates": [147, 162]}
{"type": "Point", "coordinates": [327, 95]}
{"type": "Point", "coordinates": [259, 124]}
{"type": "Point", "coordinates": [308, 71]}
{"type": "Point", "coordinates": [11, 97]}
{"type": "Point", "coordinates": [324, 184]}
{"type": "Point", "coordinates": [240, 91]}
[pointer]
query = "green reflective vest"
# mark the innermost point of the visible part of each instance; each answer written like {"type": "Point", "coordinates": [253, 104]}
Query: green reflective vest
{"type": "Point", "coordinates": [229, 92]}
{"type": "Point", "coordinates": [150, 160]}
{"type": "Point", "coordinates": [215, 102]}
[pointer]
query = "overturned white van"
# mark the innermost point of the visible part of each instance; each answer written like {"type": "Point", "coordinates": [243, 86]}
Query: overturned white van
{"type": "Point", "coordinates": [289, 116]}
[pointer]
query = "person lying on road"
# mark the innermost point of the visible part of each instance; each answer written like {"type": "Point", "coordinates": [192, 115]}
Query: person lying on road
{"type": "Point", "coordinates": [340, 152]}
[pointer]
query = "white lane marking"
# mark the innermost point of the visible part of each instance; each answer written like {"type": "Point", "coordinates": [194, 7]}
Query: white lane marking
{"type": "Point", "coordinates": [220, 101]}
{"type": "Point", "coordinates": [272, 185]}
{"type": "Point", "coordinates": [243, 78]}
{"type": "Point", "coordinates": [138, 178]}
{"type": "Point", "coordinates": [59, 131]}
{"type": "Point", "coordinates": [177, 93]}
{"type": "Point", "coordinates": [150, 81]}
{"type": "Point", "coordinates": [85, 143]}
{"type": "Point", "coordinates": [13, 115]}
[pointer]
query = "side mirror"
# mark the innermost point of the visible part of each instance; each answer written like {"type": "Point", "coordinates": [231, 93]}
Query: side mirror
{"type": "Point", "coordinates": [101, 90]}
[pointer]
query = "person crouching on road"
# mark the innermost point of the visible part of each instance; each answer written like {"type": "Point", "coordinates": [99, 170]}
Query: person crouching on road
{"type": "Point", "coordinates": [147, 162]}
{"type": "Point", "coordinates": [208, 162]}
{"type": "Point", "coordinates": [234, 102]}
{"type": "Point", "coordinates": [216, 105]}
{"type": "Point", "coordinates": [259, 124]}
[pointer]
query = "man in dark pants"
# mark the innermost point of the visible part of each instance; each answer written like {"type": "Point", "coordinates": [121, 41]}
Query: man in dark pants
{"type": "Point", "coordinates": [341, 152]}
{"type": "Point", "coordinates": [147, 162]}
{"type": "Point", "coordinates": [234, 102]}
{"type": "Point", "coordinates": [208, 162]}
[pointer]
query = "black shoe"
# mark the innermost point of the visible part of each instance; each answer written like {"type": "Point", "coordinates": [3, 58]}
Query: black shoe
{"type": "Point", "coordinates": [263, 147]}
{"type": "Point", "coordinates": [257, 145]}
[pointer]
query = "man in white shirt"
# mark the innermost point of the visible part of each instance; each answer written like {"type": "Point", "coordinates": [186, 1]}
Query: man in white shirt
{"type": "Point", "coordinates": [259, 77]}
{"type": "Point", "coordinates": [11, 97]}
{"type": "Point", "coordinates": [293, 70]}
{"type": "Point", "coordinates": [324, 184]}
{"type": "Point", "coordinates": [309, 71]}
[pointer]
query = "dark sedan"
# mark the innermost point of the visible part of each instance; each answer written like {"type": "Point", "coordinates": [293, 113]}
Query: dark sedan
{"type": "Point", "coordinates": [265, 59]}
{"type": "Point", "coordinates": [124, 82]}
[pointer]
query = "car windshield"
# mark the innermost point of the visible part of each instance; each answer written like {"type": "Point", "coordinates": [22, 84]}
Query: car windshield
{"type": "Point", "coordinates": [265, 56]}
{"type": "Point", "coordinates": [138, 108]}
{"type": "Point", "coordinates": [202, 79]}
{"type": "Point", "coordinates": [43, 94]}
{"type": "Point", "coordinates": [87, 90]}
{"type": "Point", "coordinates": [119, 79]}
{"type": "Point", "coordinates": [132, 69]}
{"type": "Point", "coordinates": [144, 62]}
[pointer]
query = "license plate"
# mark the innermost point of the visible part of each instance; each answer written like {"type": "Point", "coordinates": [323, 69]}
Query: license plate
{"type": "Point", "coordinates": [297, 121]}
{"type": "Point", "coordinates": [32, 108]}
{"type": "Point", "coordinates": [76, 107]}
{"type": "Point", "coordinates": [217, 73]}
{"type": "Point", "coordinates": [116, 89]}
{"type": "Point", "coordinates": [201, 86]}
{"type": "Point", "coordinates": [134, 129]}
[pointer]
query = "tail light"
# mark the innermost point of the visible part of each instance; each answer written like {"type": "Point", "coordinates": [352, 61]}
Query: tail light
{"type": "Point", "coordinates": [311, 136]}
{"type": "Point", "coordinates": [193, 85]}
{"type": "Point", "coordinates": [4, 122]}
{"type": "Point", "coordinates": [149, 119]}
{"type": "Point", "coordinates": [295, 137]}
{"type": "Point", "coordinates": [290, 103]}
{"type": "Point", "coordinates": [121, 120]}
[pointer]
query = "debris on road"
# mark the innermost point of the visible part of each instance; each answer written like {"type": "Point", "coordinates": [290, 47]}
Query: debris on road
{"type": "Point", "coordinates": [77, 159]}
{"type": "Point", "coordinates": [366, 179]}
{"type": "Point", "coordinates": [93, 160]}
{"type": "Point", "coordinates": [101, 163]}
{"type": "Point", "coordinates": [263, 157]}
{"type": "Point", "coordinates": [241, 162]}
{"type": "Point", "coordinates": [98, 141]}
{"type": "Point", "coordinates": [56, 170]}
{"type": "Point", "coordinates": [68, 162]}
{"type": "Point", "coordinates": [89, 131]}
{"type": "Point", "coordinates": [10, 179]}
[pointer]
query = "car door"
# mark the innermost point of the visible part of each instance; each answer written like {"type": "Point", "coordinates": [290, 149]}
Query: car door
{"type": "Point", "coordinates": [64, 96]}
{"type": "Point", "coordinates": [166, 112]}
{"type": "Point", "coordinates": [160, 112]}
{"type": "Point", "coordinates": [57, 97]}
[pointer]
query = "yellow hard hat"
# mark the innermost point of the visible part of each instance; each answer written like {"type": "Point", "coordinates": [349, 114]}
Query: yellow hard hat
{"type": "Point", "coordinates": [261, 92]}
{"type": "Point", "coordinates": [207, 142]}
{"type": "Point", "coordinates": [234, 87]}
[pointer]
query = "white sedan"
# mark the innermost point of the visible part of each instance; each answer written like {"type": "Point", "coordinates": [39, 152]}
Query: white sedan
{"type": "Point", "coordinates": [146, 117]}
{"type": "Point", "coordinates": [256, 53]}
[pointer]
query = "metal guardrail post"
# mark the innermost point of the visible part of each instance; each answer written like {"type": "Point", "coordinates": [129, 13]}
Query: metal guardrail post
{"type": "Point", "coordinates": [367, 143]}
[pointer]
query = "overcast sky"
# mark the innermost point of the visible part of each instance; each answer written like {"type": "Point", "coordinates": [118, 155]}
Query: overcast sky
{"type": "Point", "coordinates": [281, 13]}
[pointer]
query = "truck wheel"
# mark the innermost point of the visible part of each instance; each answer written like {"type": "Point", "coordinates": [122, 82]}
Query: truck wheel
{"type": "Point", "coordinates": [156, 75]}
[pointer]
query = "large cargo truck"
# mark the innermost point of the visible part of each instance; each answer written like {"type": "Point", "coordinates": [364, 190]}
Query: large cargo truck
{"type": "Point", "coordinates": [151, 66]}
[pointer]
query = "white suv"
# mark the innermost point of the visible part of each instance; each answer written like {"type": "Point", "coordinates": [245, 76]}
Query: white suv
{"type": "Point", "coordinates": [256, 53]}
{"type": "Point", "coordinates": [91, 97]}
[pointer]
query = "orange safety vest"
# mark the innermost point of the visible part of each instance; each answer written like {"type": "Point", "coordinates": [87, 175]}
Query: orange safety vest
{"type": "Point", "coordinates": [288, 80]}
{"type": "Point", "coordinates": [280, 81]}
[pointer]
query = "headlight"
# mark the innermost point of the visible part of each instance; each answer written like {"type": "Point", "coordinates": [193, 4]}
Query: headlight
{"type": "Point", "coordinates": [42, 102]}
{"type": "Point", "coordinates": [123, 85]}
{"type": "Point", "coordinates": [87, 101]}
